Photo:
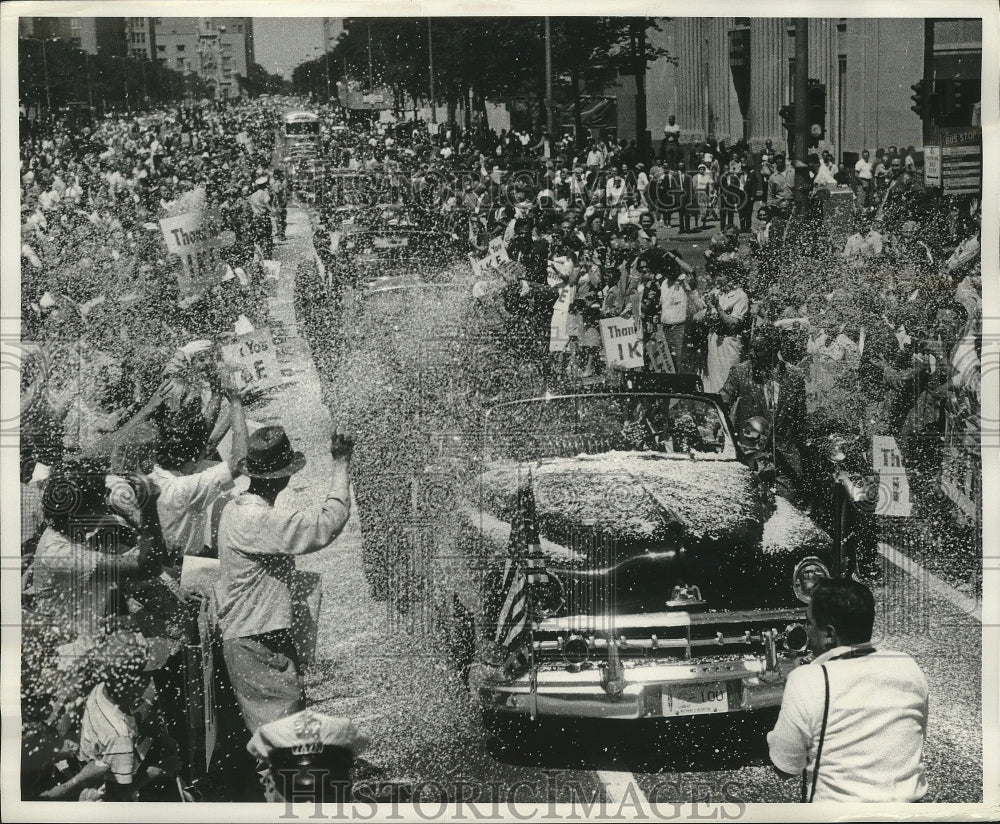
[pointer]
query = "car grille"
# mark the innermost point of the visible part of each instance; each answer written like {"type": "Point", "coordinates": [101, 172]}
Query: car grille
{"type": "Point", "coordinates": [680, 636]}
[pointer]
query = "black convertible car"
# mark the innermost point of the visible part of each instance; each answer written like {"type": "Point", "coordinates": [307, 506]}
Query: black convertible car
{"type": "Point", "coordinates": [622, 561]}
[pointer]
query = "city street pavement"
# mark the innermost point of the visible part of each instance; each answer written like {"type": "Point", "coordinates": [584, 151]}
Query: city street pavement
{"type": "Point", "coordinates": [387, 673]}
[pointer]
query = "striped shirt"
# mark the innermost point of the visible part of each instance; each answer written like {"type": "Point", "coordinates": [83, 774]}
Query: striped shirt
{"type": "Point", "coordinates": [109, 735]}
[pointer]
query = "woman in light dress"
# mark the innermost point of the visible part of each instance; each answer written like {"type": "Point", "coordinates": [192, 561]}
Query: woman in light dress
{"type": "Point", "coordinates": [727, 308]}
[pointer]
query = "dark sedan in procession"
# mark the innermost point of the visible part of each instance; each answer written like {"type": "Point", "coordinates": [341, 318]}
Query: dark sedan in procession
{"type": "Point", "coordinates": [384, 248]}
{"type": "Point", "coordinates": [625, 562]}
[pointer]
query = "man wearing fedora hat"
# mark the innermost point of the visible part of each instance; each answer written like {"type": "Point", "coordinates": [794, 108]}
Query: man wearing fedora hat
{"type": "Point", "coordinates": [258, 543]}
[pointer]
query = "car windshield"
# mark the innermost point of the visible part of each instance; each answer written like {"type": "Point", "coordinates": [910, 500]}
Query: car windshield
{"type": "Point", "coordinates": [303, 127]}
{"type": "Point", "coordinates": [389, 245]}
{"type": "Point", "coordinates": [656, 423]}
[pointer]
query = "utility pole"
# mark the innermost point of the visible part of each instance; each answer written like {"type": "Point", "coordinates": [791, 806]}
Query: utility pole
{"type": "Point", "coordinates": [549, 114]}
{"type": "Point", "coordinates": [430, 63]}
{"type": "Point", "coordinates": [801, 151]}
{"type": "Point", "coordinates": [801, 98]}
{"type": "Point", "coordinates": [930, 110]}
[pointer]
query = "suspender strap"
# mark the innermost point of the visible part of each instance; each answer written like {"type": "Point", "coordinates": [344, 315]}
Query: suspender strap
{"type": "Point", "coordinates": [807, 797]}
{"type": "Point", "coordinates": [216, 519]}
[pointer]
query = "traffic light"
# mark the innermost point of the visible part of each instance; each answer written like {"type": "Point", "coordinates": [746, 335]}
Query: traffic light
{"type": "Point", "coordinates": [920, 99]}
{"type": "Point", "coordinates": [956, 99]}
{"type": "Point", "coordinates": [787, 115]}
{"type": "Point", "coordinates": [817, 113]}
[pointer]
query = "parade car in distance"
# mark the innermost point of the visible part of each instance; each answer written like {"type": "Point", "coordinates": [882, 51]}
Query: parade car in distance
{"type": "Point", "coordinates": [664, 579]}
{"type": "Point", "coordinates": [392, 257]}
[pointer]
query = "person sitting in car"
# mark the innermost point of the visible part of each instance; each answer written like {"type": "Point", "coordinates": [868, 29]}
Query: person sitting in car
{"type": "Point", "coordinates": [637, 433]}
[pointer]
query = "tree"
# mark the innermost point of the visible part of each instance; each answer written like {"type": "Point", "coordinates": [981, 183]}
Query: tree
{"type": "Point", "coordinates": [590, 52]}
{"type": "Point", "coordinates": [482, 58]}
{"type": "Point", "coordinates": [59, 72]}
{"type": "Point", "coordinates": [259, 81]}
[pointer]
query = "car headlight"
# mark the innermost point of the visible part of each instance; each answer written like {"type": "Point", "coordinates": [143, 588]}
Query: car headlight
{"type": "Point", "coordinates": [795, 638]}
{"type": "Point", "coordinates": [808, 572]}
{"type": "Point", "coordinates": [546, 594]}
{"type": "Point", "coordinates": [836, 446]}
{"type": "Point", "coordinates": [753, 434]}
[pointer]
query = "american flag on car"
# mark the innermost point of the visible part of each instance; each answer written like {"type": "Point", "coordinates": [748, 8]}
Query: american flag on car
{"type": "Point", "coordinates": [522, 570]}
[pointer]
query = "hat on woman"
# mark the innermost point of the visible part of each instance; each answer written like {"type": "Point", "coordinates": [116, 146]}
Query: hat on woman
{"type": "Point", "coordinates": [270, 455]}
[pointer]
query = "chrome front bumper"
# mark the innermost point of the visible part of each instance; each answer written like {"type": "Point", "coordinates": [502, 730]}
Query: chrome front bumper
{"type": "Point", "coordinates": [644, 689]}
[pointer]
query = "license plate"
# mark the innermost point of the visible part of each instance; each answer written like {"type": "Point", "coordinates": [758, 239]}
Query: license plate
{"type": "Point", "coordinates": [391, 242]}
{"type": "Point", "coordinates": [695, 699]}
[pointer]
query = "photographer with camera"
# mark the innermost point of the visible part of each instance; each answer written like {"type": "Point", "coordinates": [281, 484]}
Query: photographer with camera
{"type": "Point", "coordinates": [853, 722]}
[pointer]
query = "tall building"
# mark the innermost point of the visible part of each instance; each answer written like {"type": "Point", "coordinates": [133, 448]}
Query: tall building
{"type": "Point", "coordinates": [218, 49]}
{"type": "Point", "coordinates": [95, 35]}
{"type": "Point", "coordinates": [103, 35]}
{"type": "Point", "coordinates": [140, 36]}
{"type": "Point", "coordinates": [61, 27]}
{"type": "Point", "coordinates": [734, 74]}
{"type": "Point", "coordinates": [333, 27]}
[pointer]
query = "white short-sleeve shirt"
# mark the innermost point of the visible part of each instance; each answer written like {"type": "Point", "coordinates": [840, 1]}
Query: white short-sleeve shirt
{"type": "Point", "coordinates": [184, 503]}
{"type": "Point", "coordinates": [873, 750]}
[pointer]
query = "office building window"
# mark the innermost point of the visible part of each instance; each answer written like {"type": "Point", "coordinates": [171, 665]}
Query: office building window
{"type": "Point", "coordinates": [161, 48]}
{"type": "Point", "coordinates": [180, 47]}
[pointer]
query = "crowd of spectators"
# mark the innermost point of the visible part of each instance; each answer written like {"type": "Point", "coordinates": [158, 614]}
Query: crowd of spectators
{"type": "Point", "coordinates": [125, 404]}
{"type": "Point", "coordinates": [885, 327]}
{"type": "Point", "coordinates": [120, 351]}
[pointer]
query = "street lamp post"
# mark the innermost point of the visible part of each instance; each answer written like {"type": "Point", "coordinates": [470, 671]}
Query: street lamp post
{"type": "Point", "coordinates": [430, 62]}
{"type": "Point", "coordinates": [124, 62]}
{"type": "Point", "coordinates": [45, 67]}
{"type": "Point", "coordinates": [326, 47]}
{"type": "Point", "coordinates": [90, 85]}
{"type": "Point", "coordinates": [371, 81]}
